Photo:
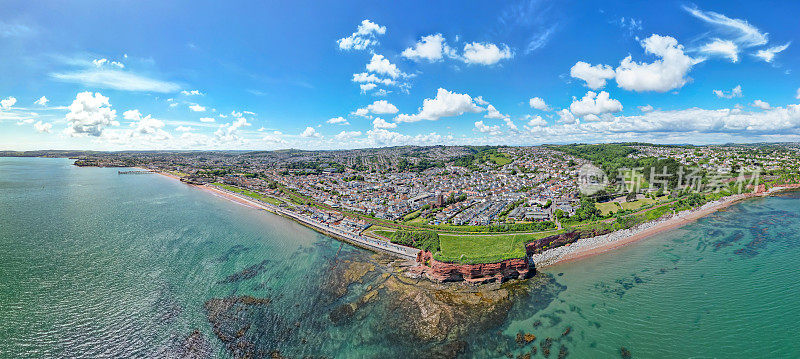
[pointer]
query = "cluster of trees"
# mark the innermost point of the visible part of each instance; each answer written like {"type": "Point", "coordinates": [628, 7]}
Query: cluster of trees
{"type": "Point", "coordinates": [404, 165]}
{"type": "Point", "coordinates": [424, 240]}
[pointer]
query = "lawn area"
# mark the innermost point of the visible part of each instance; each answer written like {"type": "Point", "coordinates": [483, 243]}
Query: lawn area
{"type": "Point", "coordinates": [608, 207]}
{"type": "Point", "coordinates": [484, 248]}
{"type": "Point", "coordinates": [500, 160]}
{"type": "Point", "coordinates": [248, 193]}
{"type": "Point", "coordinates": [637, 203]}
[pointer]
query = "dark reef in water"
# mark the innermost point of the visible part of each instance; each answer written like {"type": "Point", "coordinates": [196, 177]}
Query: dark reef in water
{"type": "Point", "coordinates": [246, 273]}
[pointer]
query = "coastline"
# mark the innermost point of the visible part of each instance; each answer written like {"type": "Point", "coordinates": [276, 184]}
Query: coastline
{"type": "Point", "coordinates": [589, 247]}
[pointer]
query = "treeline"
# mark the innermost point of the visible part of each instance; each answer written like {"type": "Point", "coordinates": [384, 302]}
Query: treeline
{"type": "Point", "coordinates": [424, 240]}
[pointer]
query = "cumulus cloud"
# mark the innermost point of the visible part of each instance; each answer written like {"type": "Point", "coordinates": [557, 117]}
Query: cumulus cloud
{"type": "Point", "coordinates": [667, 73]}
{"type": "Point", "coordinates": [493, 113]}
{"type": "Point", "coordinates": [491, 130]}
{"type": "Point", "coordinates": [364, 37]}
{"type": "Point", "coordinates": [145, 126]}
{"type": "Point", "coordinates": [42, 101]}
{"type": "Point", "coordinates": [346, 135]}
{"type": "Point", "coordinates": [338, 121]}
{"type": "Point", "coordinates": [197, 108]}
{"type": "Point", "coordinates": [192, 93]}
{"type": "Point", "coordinates": [445, 104]}
{"type": "Point", "coordinates": [535, 121]}
{"type": "Point", "coordinates": [382, 66]}
{"type": "Point", "coordinates": [89, 114]}
{"type": "Point", "coordinates": [539, 104]}
{"type": "Point", "coordinates": [724, 48]}
{"type": "Point", "coordinates": [769, 54]}
{"type": "Point", "coordinates": [594, 104]}
{"type": "Point", "coordinates": [761, 104]}
{"type": "Point", "coordinates": [363, 112]}
{"type": "Point", "coordinates": [382, 124]}
{"type": "Point", "coordinates": [595, 76]}
{"type": "Point", "coordinates": [42, 127]}
{"type": "Point", "coordinates": [564, 116]}
{"type": "Point", "coordinates": [229, 132]}
{"type": "Point", "coordinates": [367, 87]}
{"type": "Point", "coordinates": [364, 77]}
{"type": "Point", "coordinates": [310, 132]}
{"type": "Point", "coordinates": [382, 107]}
{"type": "Point", "coordinates": [431, 48]}
{"type": "Point", "coordinates": [485, 53]}
{"type": "Point", "coordinates": [645, 108]}
{"type": "Point", "coordinates": [7, 102]}
{"type": "Point", "coordinates": [184, 129]}
{"type": "Point", "coordinates": [734, 92]}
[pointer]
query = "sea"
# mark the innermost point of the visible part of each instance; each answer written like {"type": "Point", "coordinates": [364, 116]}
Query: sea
{"type": "Point", "coordinates": [97, 264]}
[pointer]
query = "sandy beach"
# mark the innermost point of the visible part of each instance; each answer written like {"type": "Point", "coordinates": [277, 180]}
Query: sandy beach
{"type": "Point", "coordinates": [588, 247]}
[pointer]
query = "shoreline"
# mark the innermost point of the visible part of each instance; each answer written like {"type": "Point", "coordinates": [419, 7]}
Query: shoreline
{"type": "Point", "coordinates": [590, 247]}
{"type": "Point", "coordinates": [373, 245]}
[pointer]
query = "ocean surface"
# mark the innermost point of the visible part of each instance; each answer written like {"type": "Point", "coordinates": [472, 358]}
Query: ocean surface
{"type": "Point", "coordinates": [97, 264]}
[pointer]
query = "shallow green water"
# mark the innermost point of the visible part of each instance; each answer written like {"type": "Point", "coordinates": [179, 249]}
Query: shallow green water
{"type": "Point", "coordinates": [96, 264]}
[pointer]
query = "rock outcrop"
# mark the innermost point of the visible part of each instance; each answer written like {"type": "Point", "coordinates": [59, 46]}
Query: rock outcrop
{"type": "Point", "coordinates": [475, 273]}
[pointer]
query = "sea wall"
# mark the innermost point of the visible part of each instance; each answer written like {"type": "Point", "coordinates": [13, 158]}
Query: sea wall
{"type": "Point", "coordinates": [474, 273]}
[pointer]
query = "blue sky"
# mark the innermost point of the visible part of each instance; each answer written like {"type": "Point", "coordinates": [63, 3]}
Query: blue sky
{"type": "Point", "coordinates": [326, 75]}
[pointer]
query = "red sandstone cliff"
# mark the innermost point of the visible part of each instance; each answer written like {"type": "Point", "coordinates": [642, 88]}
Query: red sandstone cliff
{"type": "Point", "coordinates": [474, 273]}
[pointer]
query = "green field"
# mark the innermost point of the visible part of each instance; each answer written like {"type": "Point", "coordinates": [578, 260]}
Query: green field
{"type": "Point", "coordinates": [484, 248]}
{"type": "Point", "coordinates": [500, 160]}
{"type": "Point", "coordinates": [607, 207]}
{"type": "Point", "coordinates": [248, 193]}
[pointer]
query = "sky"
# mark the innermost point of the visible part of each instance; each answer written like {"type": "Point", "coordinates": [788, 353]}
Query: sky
{"type": "Point", "coordinates": [265, 75]}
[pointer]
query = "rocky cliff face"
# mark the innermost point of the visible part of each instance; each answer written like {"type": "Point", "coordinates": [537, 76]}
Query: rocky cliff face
{"type": "Point", "coordinates": [475, 273]}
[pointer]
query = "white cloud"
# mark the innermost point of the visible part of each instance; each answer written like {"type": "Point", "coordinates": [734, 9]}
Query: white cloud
{"type": "Point", "coordinates": [310, 132]}
{"type": "Point", "coordinates": [797, 96]}
{"type": "Point", "coordinates": [8, 102]}
{"type": "Point", "coordinates": [338, 121]}
{"type": "Point", "coordinates": [42, 127]}
{"type": "Point", "coordinates": [116, 80]}
{"type": "Point", "coordinates": [101, 62]}
{"type": "Point", "coordinates": [431, 48]}
{"type": "Point", "coordinates": [539, 104]}
{"type": "Point", "coordinates": [761, 104]}
{"type": "Point", "coordinates": [363, 112]}
{"type": "Point", "coordinates": [26, 121]}
{"type": "Point", "coordinates": [184, 129]}
{"type": "Point", "coordinates": [367, 87]}
{"type": "Point", "coordinates": [207, 119]}
{"type": "Point", "coordinates": [735, 92]}
{"type": "Point", "coordinates": [382, 107]}
{"type": "Point", "coordinates": [147, 126]}
{"type": "Point", "coordinates": [381, 123]}
{"type": "Point", "coordinates": [594, 104]}
{"type": "Point", "coordinates": [229, 132]}
{"type": "Point", "coordinates": [364, 77]}
{"type": "Point", "coordinates": [510, 124]}
{"type": "Point", "coordinates": [595, 76]}
{"type": "Point", "coordinates": [42, 101]}
{"type": "Point", "coordinates": [740, 30]}
{"type": "Point", "coordinates": [491, 130]}
{"type": "Point", "coordinates": [197, 108]}
{"type": "Point", "coordinates": [380, 65]}
{"type": "Point", "coordinates": [535, 121]}
{"type": "Point", "coordinates": [485, 53]}
{"type": "Point", "coordinates": [646, 108]}
{"type": "Point", "coordinates": [493, 113]}
{"type": "Point", "coordinates": [565, 116]}
{"type": "Point", "coordinates": [365, 36]}
{"type": "Point", "coordinates": [480, 101]}
{"type": "Point", "coordinates": [445, 104]}
{"type": "Point", "coordinates": [192, 93]}
{"type": "Point", "coordinates": [769, 54]}
{"type": "Point", "coordinates": [667, 73]}
{"type": "Point", "coordinates": [724, 48]}
{"type": "Point", "coordinates": [347, 135]}
{"type": "Point", "coordinates": [90, 115]}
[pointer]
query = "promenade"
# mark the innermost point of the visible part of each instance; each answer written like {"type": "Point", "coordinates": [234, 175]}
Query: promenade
{"type": "Point", "coordinates": [352, 238]}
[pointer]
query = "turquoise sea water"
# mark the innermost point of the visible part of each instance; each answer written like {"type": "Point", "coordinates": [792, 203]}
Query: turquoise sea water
{"type": "Point", "coordinates": [96, 264]}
